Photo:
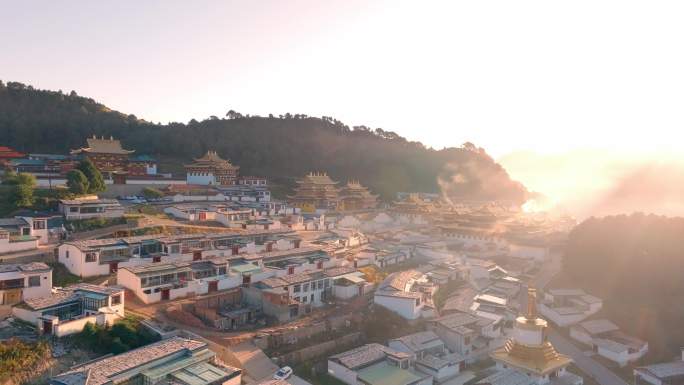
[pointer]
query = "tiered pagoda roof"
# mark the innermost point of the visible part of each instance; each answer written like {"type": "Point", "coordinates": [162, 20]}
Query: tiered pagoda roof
{"type": "Point", "coordinates": [103, 146]}
{"type": "Point", "coordinates": [212, 160]}
{"type": "Point", "coordinates": [358, 195]}
{"type": "Point", "coordinates": [318, 189]}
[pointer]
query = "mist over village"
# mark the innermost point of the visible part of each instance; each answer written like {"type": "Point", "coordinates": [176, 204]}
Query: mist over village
{"type": "Point", "coordinates": [342, 192]}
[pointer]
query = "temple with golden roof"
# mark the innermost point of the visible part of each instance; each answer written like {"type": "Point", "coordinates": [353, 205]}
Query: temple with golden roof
{"type": "Point", "coordinates": [211, 169]}
{"type": "Point", "coordinates": [354, 196]}
{"type": "Point", "coordinates": [528, 358]}
{"type": "Point", "coordinates": [316, 191]}
{"type": "Point", "coordinates": [106, 154]}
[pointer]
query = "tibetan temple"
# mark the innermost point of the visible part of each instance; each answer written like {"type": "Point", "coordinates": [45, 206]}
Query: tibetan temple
{"type": "Point", "coordinates": [353, 196]}
{"type": "Point", "coordinates": [211, 169]}
{"type": "Point", "coordinates": [529, 355]}
{"type": "Point", "coordinates": [110, 157]}
{"type": "Point", "coordinates": [316, 191]}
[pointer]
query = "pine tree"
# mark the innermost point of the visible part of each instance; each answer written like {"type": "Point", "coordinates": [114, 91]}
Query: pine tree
{"type": "Point", "coordinates": [77, 182]}
{"type": "Point", "coordinates": [96, 182]}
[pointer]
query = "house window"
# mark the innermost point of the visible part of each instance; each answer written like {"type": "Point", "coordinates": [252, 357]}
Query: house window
{"type": "Point", "coordinates": [34, 281]}
{"type": "Point", "coordinates": [116, 299]}
{"type": "Point", "coordinates": [67, 254]}
{"type": "Point", "coordinates": [38, 225]}
{"type": "Point", "coordinates": [297, 288]}
{"type": "Point", "coordinates": [306, 287]}
{"type": "Point", "coordinates": [304, 299]}
{"type": "Point", "coordinates": [90, 257]}
{"type": "Point", "coordinates": [320, 284]}
{"type": "Point", "coordinates": [312, 297]}
{"type": "Point", "coordinates": [290, 270]}
{"type": "Point", "coordinates": [73, 209]}
{"type": "Point", "coordinates": [327, 283]}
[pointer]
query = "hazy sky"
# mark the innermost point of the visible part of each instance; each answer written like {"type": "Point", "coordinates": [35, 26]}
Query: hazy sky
{"type": "Point", "coordinates": [508, 75]}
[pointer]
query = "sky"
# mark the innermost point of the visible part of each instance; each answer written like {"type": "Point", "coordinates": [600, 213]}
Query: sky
{"type": "Point", "coordinates": [539, 78]}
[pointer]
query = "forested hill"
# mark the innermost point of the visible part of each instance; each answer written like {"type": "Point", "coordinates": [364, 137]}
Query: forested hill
{"type": "Point", "coordinates": [636, 264]}
{"type": "Point", "coordinates": [279, 147]}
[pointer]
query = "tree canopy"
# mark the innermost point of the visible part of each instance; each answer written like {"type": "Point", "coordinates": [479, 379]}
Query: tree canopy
{"type": "Point", "coordinates": [77, 182]}
{"type": "Point", "coordinates": [96, 182]}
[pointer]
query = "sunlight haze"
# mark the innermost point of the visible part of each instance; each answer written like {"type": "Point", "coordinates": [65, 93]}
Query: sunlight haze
{"type": "Point", "coordinates": [546, 77]}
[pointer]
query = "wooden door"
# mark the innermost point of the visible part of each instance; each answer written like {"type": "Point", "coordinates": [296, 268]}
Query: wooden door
{"type": "Point", "coordinates": [213, 286]}
{"type": "Point", "coordinates": [113, 267]}
{"type": "Point", "coordinates": [196, 255]}
{"type": "Point", "coordinates": [165, 294]}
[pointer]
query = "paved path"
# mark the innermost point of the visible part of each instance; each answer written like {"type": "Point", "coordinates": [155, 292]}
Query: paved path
{"type": "Point", "coordinates": [588, 365]}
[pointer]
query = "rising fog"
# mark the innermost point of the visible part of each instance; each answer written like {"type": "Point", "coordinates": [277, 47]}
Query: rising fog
{"type": "Point", "coordinates": [593, 182]}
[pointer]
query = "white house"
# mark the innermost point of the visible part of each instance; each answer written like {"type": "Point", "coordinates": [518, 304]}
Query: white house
{"type": "Point", "coordinates": [608, 341]}
{"type": "Point", "coordinates": [173, 360]}
{"type": "Point", "coordinates": [566, 307]}
{"type": "Point", "coordinates": [429, 355]}
{"type": "Point", "coordinates": [76, 209]}
{"type": "Point", "coordinates": [407, 293]}
{"type": "Point", "coordinates": [19, 282]}
{"type": "Point", "coordinates": [375, 364]}
{"type": "Point", "coordinates": [105, 256]}
{"type": "Point", "coordinates": [470, 335]}
{"type": "Point", "coordinates": [168, 281]}
{"type": "Point", "coordinates": [665, 373]}
{"type": "Point", "coordinates": [67, 310]}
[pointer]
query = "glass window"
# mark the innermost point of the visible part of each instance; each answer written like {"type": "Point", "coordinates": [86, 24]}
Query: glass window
{"type": "Point", "coordinates": [38, 225]}
{"type": "Point", "coordinates": [116, 299]}
{"type": "Point", "coordinates": [90, 257]}
{"type": "Point", "coordinates": [306, 287]}
{"type": "Point", "coordinates": [73, 209]}
{"type": "Point", "coordinates": [34, 281]}
{"type": "Point", "coordinates": [297, 288]}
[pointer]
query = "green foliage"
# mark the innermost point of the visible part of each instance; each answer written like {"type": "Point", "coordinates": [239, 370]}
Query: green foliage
{"type": "Point", "coordinates": [18, 357]}
{"type": "Point", "coordinates": [94, 223]}
{"type": "Point", "coordinates": [61, 276]}
{"type": "Point", "coordinates": [77, 182]}
{"type": "Point", "coordinates": [124, 335]}
{"type": "Point", "coordinates": [152, 193]}
{"type": "Point", "coordinates": [278, 147]}
{"type": "Point", "coordinates": [19, 191]}
{"type": "Point", "coordinates": [96, 182]}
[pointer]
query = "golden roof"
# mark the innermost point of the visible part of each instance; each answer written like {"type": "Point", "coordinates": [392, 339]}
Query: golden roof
{"type": "Point", "coordinates": [211, 158]}
{"type": "Point", "coordinates": [540, 360]}
{"type": "Point", "coordinates": [103, 146]}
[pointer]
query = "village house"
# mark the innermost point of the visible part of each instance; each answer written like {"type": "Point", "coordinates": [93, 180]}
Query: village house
{"type": "Point", "coordinates": [16, 234]}
{"type": "Point", "coordinates": [105, 256]}
{"type": "Point", "coordinates": [565, 307]}
{"type": "Point", "coordinates": [48, 226]}
{"type": "Point", "coordinates": [66, 310]}
{"type": "Point", "coordinates": [407, 293]}
{"type": "Point", "coordinates": [528, 358]}
{"type": "Point", "coordinates": [666, 373]}
{"type": "Point", "coordinates": [375, 364]}
{"type": "Point", "coordinates": [467, 334]}
{"type": "Point", "coordinates": [76, 209]}
{"type": "Point", "coordinates": [289, 296]}
{"type": "Point", "coordinates": [175, 360]}
{"type": "Point", "coordinates": [429, 355]}
{"type": "Point", "coordinates": [156, 282]}
{"type": "Point", "coordinates": [608, 341]}
{"type": "Point", "coordinates": [22, 281]}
